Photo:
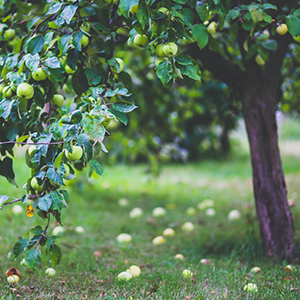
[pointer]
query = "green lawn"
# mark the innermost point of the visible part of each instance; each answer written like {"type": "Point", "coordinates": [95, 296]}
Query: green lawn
{"type": "Point", "coordinates": [233, 247]}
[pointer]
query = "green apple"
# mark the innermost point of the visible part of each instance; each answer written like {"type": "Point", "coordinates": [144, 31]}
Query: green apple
{"type": "Point", "coordinates": [282, 29]}
{"type": "Point", "coordinates": [85, 27]}
{"type": "Point", "coordinates": [34, 184]}
{"type": "Point", "coordinates": [250, 287]}
{"type": "Point", "coordinates": [163, 10]}
{"type": "Point", "coordinates": [121, 66]}
{"type": "Point", "coordinates": [25, 91]}
{"type": "Point", "coordinates": [124, 276]}
{"type": "Point", "coordinates": [42, 90]}
{"type": "Point", "coordinates": [179, 257]}
{"type": "Point", "coordinates": [9, 34]}
{"type": "Point", "coordinates": [297, 38]}
{"type": "Point", "coordinates": [187, 273]}
{"type": "Point", "coordinates": [7, 92]}
{"type": "Point", "coordinates": [111, 1]}
{"type": "Point", "coordinates": [39, 75]}
{"type": "Point", "coordinates": [12, 42]}
{"type": "Point", "coordinates": [159, 50]}
{"type": "Point", "coordinates": [158, 240]}
{"type": "Point", "coordinates": [135, 271]}
{"type": "Point", "coordinates": [12, 279]}
{"type": "Point", "coordinates": [134, 9]}
{"type": "Point", "coordinates": [67, 170]}
{"type": "Point", "coordinates": [124, 238]}
{"type": "Point", "coordinates": [131, 44]}
{"type": "Point", "coordinates": [69, 70]}
{"type": "Point", "coordinates": [50, 272]}
{"type": "Point", "coordinates": [66, 89]}
{"type": "Point", "coordinates": [159, 60]}
{"type": "Point", "coordinates": [141, 40]}
{"type": "Point", "coordinates": [170, 49]}
{"type": "Point", "coordinates": [259, 60]}
{"type": "Point", "coordinates": [84, 40]}
{"type": "Point", "coordinates": [212, 27]}
{"type": "Point", "coordinates": [76, 153]}
{"type": "Point", "coordinates": [168, 232]}
{"type": "Point", "coordinates": [58, 100]}
{"type": "Point", "coordinates": [31, 150]}
{"type": "Point", "coordinates": [106, 122]}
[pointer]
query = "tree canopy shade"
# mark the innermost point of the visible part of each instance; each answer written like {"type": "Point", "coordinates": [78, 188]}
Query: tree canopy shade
{"type": "Point", "coordinates": [49, 45]}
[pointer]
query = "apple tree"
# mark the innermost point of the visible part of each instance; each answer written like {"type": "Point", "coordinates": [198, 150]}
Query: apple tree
{"type": "Point", "coordinates": [50, 46]}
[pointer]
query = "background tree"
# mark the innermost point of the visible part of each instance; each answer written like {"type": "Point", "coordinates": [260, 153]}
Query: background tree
{"type": "Point", "coordinates": [47, 46]}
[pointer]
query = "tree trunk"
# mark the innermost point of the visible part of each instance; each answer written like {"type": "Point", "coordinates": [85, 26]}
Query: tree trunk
{"type": "Point", "coordinates": [273, 213]}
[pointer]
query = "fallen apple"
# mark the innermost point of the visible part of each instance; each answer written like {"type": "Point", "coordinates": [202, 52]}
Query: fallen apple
{"type": "Point", "coordinates": [188, 226]}
{"type": "Point", "coordinates": [58, 230]}
{"type": "Point", "coordinates": [179, 257]}
{"type": "Point", "coordinates": [97, 254]}
{"type": "Point", "coordinates": [159, 212]}
{"type": "Point", "coordinates": [255, 270]}
{"type": "Point", "coordinates": [169, 232]}
{"type": "Point", "coordinates": [136, 212]}
{"type": "Point", "coordinates": [13, 279]}
{"type": "Point", "coordinates": [124, 238]}
{"type": "Point", "coordinates": [210, 212]}
{"type": "Point", "coordinates": [187, 273]}
{"type": "Point", "coordinates": [124, 276]}
{"type": "Point", "coordinates": [123, 202]}
{"type": "Point", "coordinates": [79, 229]}
{"type": "Point", "coordinates": [50, 272]}
{"type": "Point", "coordinates": [158, 240]}
{"type": "Point", "coordinates": [191, 211]}
{"type": "Point", "coordinates": [17, 209]}
{"type": "Point", "coordinates": [251, 288]}
{"type": "Point", "coordinates": [135, 271]}
{"type": "Point", "coordinates": [234, 215]}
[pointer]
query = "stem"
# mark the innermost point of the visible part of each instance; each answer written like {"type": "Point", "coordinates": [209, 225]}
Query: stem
{"type": "Point", "coordinates": [44, 233]}
{"type": "Point", "coordinates": [24, 143]}
{"type": "Point", "coordinates": [20, 199]}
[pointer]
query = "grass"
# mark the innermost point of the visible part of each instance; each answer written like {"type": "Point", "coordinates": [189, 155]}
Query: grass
{"type": "Point", "coordinates": [232, 247]}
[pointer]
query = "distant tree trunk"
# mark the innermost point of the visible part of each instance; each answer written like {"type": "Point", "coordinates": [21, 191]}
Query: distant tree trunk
{"type": "Point", "coordinates": [224, 140]}
{"type": "Point", "coordinates": [273, 213]}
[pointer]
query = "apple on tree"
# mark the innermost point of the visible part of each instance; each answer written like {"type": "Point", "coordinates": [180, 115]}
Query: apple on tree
{"type": "Point", "coordinates": [84, 40]}
{"type": "Point", "coordinates": [76, 153]}
{"type": "Point", "coordinates": [39, 75]}
{"type": "Point", "coordinates": [134, 9]}
{"type": "Point", "coordinates": [85, 27]}
{"type": "Point", "coordinates": [25, 91]}
{"type": "Point", "coordinates": [110, 2]}
{"type": "Point", "coordinates": [141, 40]}
{"type": "Point", "coordinates": [159, 50]}
{"type": "Point", "coordinates": [170, 49]}
{"type": "Point", "coordinates": [58, 100]}
{"type": "Point", "coordinates": [282, 29]}
{"type": "Point", "coordinates": [9, 34]}
{"type": "Point", "coordinates": [121, 66]}
{"type": "Point", "coordinates": [212, 27]}
{"type": "Point", "coordinates": [69, 70]}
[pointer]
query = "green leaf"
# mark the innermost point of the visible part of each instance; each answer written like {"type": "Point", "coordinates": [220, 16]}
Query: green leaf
{"type": "Point", "coordinates": [270, 45]}
{"type": "Point", "coordinates": [54, 176]}
{"type": "Point", "coordinates": [200, 34]}
{"type": "Point", "coordinates": [32, 62]}
{"type": "Point", "coordinates": [52, 62]}
{"type": "Point", "coordinates": [54, 8]}
{"type": "Point", "coordinates": [36, 44]}
{"type": "Point", "coordinates": [68, 13]}
{"type": "Point", "coordinates": [266, 6]}
{"type": "Point", "coordinates": [143, 14]}
{"type": "Point", "coordinates": [57, 201]}
{"type": "Point", "coordinates": [96, 166]}
{"type": "Point", "coordinates": [94, 128]}
{"type": "Point", "coordinates": [37, 230]}
{"type": "Point", "coordinates": [93, 76]}
{"type": "Point", "coordinates": [63, 44]}
{"type": "Point", "coordinates": [125, 6]}
{"type": "Point", "coordinates": [5, 108]}
{"type": "Point", "coordinates": [164, 72]}
{"type": "Point", "coordinates": [55, 255]}
{"type": "Point", "coordinates": [293, 24]}
{"type": "Point", "coordinates": [183, 60]}
{"type": "Point", "coordinates": [202, 11]}
{"type": "Point", "coordinates": [6, 170]}
{"type": "Point", "coordinates": [45, 202]}
{"type": "Point", "coordinates": [19, 247]}
{"type": "Point", "coordinates": [58, 159]}
{"type": "Point", "coordinates": [3, 199]}
{"type": "Point", "coordinates": [76, 40]}
{"type": "Point", "coordinates": [84, 140]}
{"type": "Point", "coordinates": [124, 107]}
{"type": "Point", "coordinates": [33, 258]}
{"type": "Point", "coordinates": [79, 82]}
{"type": "Point", "coordinates": [119, 115]}
{"type": "Point", "coordinates": [191, 71]}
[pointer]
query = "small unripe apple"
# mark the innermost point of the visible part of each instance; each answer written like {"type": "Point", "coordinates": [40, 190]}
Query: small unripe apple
{"type": "Point", "coordinates": [39, 75]}
{"type": "Point", "coordinates": [12, 42]}
{"type": "Point", "coordinates": [169, 232]}
{"type": "Point", "coordinates": [136, 212]}
{"type": "Point", "coordinates": [17, 209]}
{"type": "Point", "coordinates": [66, 89]}
{"type": "Point", "coordinates": [205, 261]}
{"type": "Point", "coordinates": [67, 170]}
{"type": "Point", "coordinates": [50, 272]}
{"type": "Point", "coordinates": [7, 92]}
{"type": "Point", "coordinates": [69, 70]}
{"type": "Point", "coordinates": [159, 50]}
{"type": "Point", "coordinates": [163, 10]}
{"type": "Point", "coordinates": [76, 153]}
{"type": "Point", "coordinates": [179, 257]}
{"type": "Point", "coordinates": [12, 279]}
{"type": "Point", "coordinates": [9, 34]}
{"type": "Point", "coordinates": [124, 276]}
{"type": "Point", "coordinates": [111, 1]}
{"type": "Point", "coordinates": [250, 287]}
{"type": "Point", "coordinates": [134, 9]}
{"type": "Point", "coordinates": [84, 40]}
{"type": "Point", "coordinates": [187, 273]}
{"type": "Point", "coordinates": [121, 66]}
{"type": "Point", "coordinates": [25, 91]}
{"type": "Point", "coordinates": [259, 60]}
{"type": "Point", "coordinates": [135, 271]}
{"type": "Point", "coordinates": [141, 40]}
{"type": "Point", "coordinates": [85, 27]}
{"type": "Point", "coordinates": [158, 240]}
{"type": "Point", "coordinates": [212, 27]}
{"type": "Point", "coordinates": [282, 29]}
{"type": "Point", "coordinates": [34, 183]}
{"type": "Point", "coordinates": [188, 226]}
{"type": "Point", "coordinates": [265, 35]}
{"type": "Point", "coordinates": [131, 44]}
{"type": "Point", "coordinates": [159, 60]}
{"type": "Point", "coordinates": [159, 212]}
{"type": "Point", "coordinates": [289, 268]}
{"type": "Point", "coordinates": [58, 100]}
{"type": "Point", "coordinates": [256, 270]}
{"type": "Point", "coordinates": [124, 238]}
{"type": "Point", "coordinates": [170, 49]}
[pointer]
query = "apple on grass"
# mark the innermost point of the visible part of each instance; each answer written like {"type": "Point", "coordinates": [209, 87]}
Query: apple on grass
{"type": "Point", "coordinates": [188, 226]}
{"type": "Point", "coordinates": [58, 230]}
{"type": "Point", "coordinates": [179, 257]}
{"type": "Point", "coordinates": [234, 215]}
{"type": "Point", "coordinates": [13, 279]}
{"type": "Point", "coordinates": [187, 273]}
{"type": "Point", "coordinates": [25, 91]}
{"type": "Point", "coordinates": [50, 272]}
{"type": "Point", "coordinates": [17, 209]}
{"type": "Point", "coordinates": [124, 276]}
{"type": "Point", "coordinates": [210, 212]}
{"type": "Point", "coordinates": [251, 288]}
{"type": "Point", "coordinates": [136, 212]}
{"type": "Point", "coordinates": [124, 238]}
{"type": "Point", "coordinates": [79, 229]}
{"type": "Point", "coordinates": [159, 212]}
{"type": "Point", "coordinates": [158, 240]}
{"type": "Point", "coordinates": [169, 232]}
{"type": "Point", "coordinates": [255, 270]}
{"type": "Point", "coordinates": [123, 202]}
{"type": "Point", "coordinates": [135, 271]}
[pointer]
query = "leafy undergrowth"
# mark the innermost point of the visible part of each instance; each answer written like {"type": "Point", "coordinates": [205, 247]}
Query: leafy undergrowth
{"type": "Point", "coordinates": [232, 247]}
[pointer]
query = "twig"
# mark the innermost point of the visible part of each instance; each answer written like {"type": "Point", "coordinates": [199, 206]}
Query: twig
{"type": "Point", "coordinates": [44, 233]}
{"type": "Point", "coordinates": [30, 197]}
{"type": "Point", "coordinates": [24, 143]}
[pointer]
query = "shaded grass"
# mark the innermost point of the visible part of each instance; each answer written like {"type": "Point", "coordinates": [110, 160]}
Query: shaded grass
{"type": "Point", "coordinates": [233, 247]}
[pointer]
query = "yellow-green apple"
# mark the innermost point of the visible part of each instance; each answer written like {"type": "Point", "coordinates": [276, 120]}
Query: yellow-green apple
{"type": "Point", "coordinates": [25, 91]}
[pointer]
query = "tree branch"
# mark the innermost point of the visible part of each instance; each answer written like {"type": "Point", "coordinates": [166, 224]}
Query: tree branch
{"type": "Point", "coordinates": [217, 64]}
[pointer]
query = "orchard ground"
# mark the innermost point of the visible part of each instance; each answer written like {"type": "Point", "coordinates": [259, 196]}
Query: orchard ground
{"type": "Point", "coordinates": [233, 247]}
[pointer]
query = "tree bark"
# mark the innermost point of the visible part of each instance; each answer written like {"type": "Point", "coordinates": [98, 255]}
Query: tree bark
{"type": "Point", "coordinates": [273, 213]}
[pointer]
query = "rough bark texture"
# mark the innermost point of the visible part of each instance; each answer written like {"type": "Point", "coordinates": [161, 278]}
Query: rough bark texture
{"type": "Point", "coordinates": [259, 92]}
